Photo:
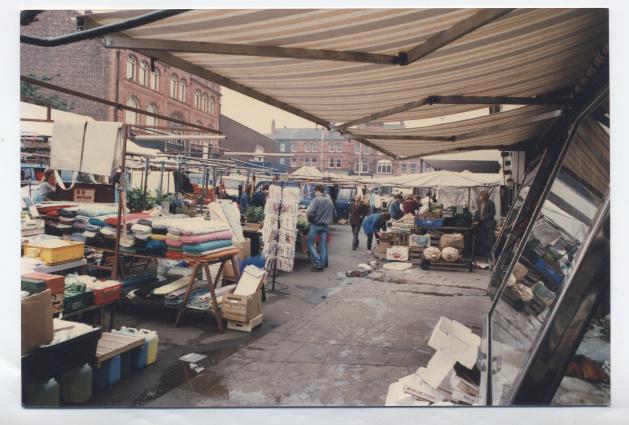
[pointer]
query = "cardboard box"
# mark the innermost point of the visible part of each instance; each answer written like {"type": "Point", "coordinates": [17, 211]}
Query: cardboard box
{"type": "Point", "coordinates": [397, 253]}
{"type": "Point", "coordinates": [457, 339]}
{"type": "Point", "coordinates": [242, 308]}
{"type": "Point", "coordinates": [37, 326]}
{"type": "Point", "coordinates": [246, 301]}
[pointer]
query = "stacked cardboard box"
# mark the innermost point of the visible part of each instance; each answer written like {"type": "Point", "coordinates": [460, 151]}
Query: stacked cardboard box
{"type": "Point", "coordinates": [243, 308]}
{"type": "Point", "coordinates": [56, 284]}
{"type": "Point", "coordinates": [449, 376]}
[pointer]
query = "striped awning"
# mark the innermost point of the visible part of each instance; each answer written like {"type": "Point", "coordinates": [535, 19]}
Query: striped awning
{"type": "Point", "coordinates": [519, 52]}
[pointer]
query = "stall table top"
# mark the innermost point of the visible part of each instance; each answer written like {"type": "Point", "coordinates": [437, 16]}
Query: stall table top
{"type": "Point", "coordinates": [110, 345]}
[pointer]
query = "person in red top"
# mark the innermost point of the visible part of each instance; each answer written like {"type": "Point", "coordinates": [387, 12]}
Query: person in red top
{"type": "Point", "coordinates": [410, 206]}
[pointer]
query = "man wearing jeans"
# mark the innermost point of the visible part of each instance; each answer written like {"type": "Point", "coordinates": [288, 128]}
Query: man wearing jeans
{"type": "Point", "coordinates": [320, 215]}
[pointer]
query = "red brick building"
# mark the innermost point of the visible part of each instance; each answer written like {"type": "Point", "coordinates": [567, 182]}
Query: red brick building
{"type": "Point", "coordinates": [338, 154]}
{"type": "Point", "coordinates": [119, 75]}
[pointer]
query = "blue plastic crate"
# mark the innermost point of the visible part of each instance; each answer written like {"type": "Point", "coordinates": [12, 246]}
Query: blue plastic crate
{"type": "Point", "coordinates": [429, 222]}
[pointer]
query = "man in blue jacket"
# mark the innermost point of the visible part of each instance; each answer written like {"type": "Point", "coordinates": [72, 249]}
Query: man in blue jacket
{"type": "Point", "coordinates": [373, 224]}
{"type": "Point", "coordinates": [395, 208]}
{"type": "Point", "coordinates": [320, 214]}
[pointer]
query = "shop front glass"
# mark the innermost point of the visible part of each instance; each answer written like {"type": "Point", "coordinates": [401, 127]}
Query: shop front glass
{"type": "Point", "coordinates": [553, 246]}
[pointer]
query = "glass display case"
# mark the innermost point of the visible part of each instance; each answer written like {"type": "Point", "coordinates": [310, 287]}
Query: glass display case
{"type": "Point", "coordinates": [552, 270]}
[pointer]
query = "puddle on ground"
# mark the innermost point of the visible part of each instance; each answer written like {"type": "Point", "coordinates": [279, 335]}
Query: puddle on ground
{"type": "Point", "coordinates": [180, 375]}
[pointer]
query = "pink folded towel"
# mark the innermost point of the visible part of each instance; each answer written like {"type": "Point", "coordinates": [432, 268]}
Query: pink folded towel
{"type": "Point", "coordinates": [216, 236]}
{"type": "Point", "coordinates": [171, 242]}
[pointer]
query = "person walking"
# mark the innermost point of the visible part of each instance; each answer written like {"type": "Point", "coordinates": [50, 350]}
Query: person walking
{"type": "Point", "coordinates": [357, 212]}
{"type": "Point", "coordinates": [373, 224]}
{"type": "Point", "coordinates": [395, 207]}
{"type": "Point", "coordinates": [259, 198]}
{"type": "Point", "coordinates": [245, 199]}
{"type": "Point", "coordinates": [320, 214]}
{"type": "Point", "coordinates": [410, 206]}
{"type": "Point", "coordinates": [485, 218]}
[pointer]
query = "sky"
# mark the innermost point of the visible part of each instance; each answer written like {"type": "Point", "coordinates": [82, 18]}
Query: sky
{"type": "Point", "coordinates": [258, 115]}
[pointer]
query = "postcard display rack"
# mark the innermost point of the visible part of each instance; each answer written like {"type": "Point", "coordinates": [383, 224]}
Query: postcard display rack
{"type": "Point", "coordinates": [279, 232]}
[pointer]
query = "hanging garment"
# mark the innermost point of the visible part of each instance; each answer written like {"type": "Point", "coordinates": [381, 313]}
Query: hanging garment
{"type": "Point", "coordinates": [102, 148]}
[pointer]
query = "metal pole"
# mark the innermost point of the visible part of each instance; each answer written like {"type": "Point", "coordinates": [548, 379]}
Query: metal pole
{"type": "Point", "coordinates": [146, 181]}
{"type": "Point", "coordinates": [321, 155]}
{"type": "Point", "coordinates": [161, 179]}
{"type": "Point", "coordinates": [121, 189]}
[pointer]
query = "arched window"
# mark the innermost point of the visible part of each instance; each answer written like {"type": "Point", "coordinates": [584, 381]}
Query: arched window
{"type": "Point", "coordinates": [131, 117]}
{"type": "Point", "coordinates": [182, 90]}
{"type": "Point", "coordinates": [197, 99]}
{"type": "Point", "coordinates": [155, 79]}
{"type": "Point", "coordinates": [174, 86]}
{"type": "Point", "coordinates": [149, 119]}
{"type": "Point", "coordinates": [204, 103]}
{"type": "Point", "coordinates": [212, 105]}
{"type": "Point", "coordinates": [384, 166]}
{"type": "Point", "coordinates": [131, 67]}
{"type": "Point", "coordinates": [144, 73]}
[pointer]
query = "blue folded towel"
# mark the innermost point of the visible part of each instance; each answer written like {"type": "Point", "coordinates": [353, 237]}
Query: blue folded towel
{"type": "Point", "coordinates": [206, 246]}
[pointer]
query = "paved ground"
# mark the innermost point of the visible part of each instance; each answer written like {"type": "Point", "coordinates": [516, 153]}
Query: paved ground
{"type": "Point", "coordinates": [329, 340]}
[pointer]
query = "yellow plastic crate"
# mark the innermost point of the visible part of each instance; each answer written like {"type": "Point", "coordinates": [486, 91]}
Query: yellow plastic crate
{"type": "Point", "coordinates": [67, 251]}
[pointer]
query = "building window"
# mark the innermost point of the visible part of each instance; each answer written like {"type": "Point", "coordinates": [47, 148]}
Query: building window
{"type": "Point", "coordinates": [212, 106]}
{"type": "Point", "coordinates": [384, 166]}
{"type": "Point", "coordinates": [149, 119]}
{"type": "Point", "coordinates": [314, 147]}
{"type": "Point", "coordinates": [366, 149]}
{"type": "Point", "coordinates": [259, 150]}
{"type": "Point", "coordinates": [197, 99]}
{"type": "Point", "coordinates": [174, 86]}
{"type": "Point", "coordinates": [155, 79]}
{"type": "Point", "coordinates": [144, 73]}
{"type": "Point", "coordinates": [131, 67]}
{"type": "Point", "coordinates": [293, 160]}
{"type": "Point", "coordinates": [361, 167]}
{"type": "Point", "coordinates": [282, 161]}
{"type": "Point", "coordinates": [338, 162]}
{"type": "Point", "coordinates": [357, 148]}
{"type": "Point", "coordinates": [306, 147]}
{"type": "Point", "coordinates": [331, 163]}
{"type": "Point", "coordinates": [131, 117]}
{"type": "Point", "coordinates": [335, 147]}
{"type": "Point", "coordinates": [204, 102]}
{"type": "Point", "coordinates": [282, 147]}
{"type": "Point", "coordinates": [314, 160]}
{"type": "Point", "coordinates": [403, 168]}
{"type": "Point", "coordinates": [293, 148]}
{"type": "Point", "coordinates": [306, 161]}
{"type": "Point", "coordinates": [413, 167]}
{"type": "Point", "coordinates": [182, 90]}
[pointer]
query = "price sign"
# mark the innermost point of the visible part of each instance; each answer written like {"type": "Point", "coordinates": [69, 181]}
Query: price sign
{"type": "Point", "coordinates": [84, 195]}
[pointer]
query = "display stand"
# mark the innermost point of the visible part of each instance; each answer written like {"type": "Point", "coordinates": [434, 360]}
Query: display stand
{"type": "Point", "coordinates": [464, 263]}
{"type": "Point", "coordinates": [204, 265]}
{"type": "Point", "coordinates": [281, 287]}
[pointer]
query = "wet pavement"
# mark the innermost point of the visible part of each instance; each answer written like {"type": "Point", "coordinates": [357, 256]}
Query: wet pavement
{"type": "Point", "coordinates": [327, 340]}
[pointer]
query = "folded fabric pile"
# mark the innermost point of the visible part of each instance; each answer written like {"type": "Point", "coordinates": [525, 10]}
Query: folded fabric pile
{"type": "Point", "coordinates": [141, 231]}
{"type": "Point", "coordinates": [174, 246]}
{"type": "Point", "coordinates": [200, 237]}
{"type": "Point", "coordinates": [97, 210]}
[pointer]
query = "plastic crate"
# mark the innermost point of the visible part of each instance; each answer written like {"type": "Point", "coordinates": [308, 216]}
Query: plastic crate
{"type": "Point", "coordinates": [51, 360]}
{"type": "Point", "coordinates": [106, 295]}
{"type": "Point", "coordinates": [75, 300]}
{"type": "Point", "coordinates": [71, 251]}
{"type": "Point", "coordinates": [429, 222]}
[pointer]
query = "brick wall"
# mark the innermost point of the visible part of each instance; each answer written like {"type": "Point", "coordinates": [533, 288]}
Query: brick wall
{"type": "Point", "coordinates": [85, 66]}
{"type": "Point", "coordinates": [90, 68]}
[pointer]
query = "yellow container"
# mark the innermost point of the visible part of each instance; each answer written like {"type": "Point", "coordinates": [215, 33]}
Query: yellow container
{"type": "Point", "coordinates": [57, 252]}
{"type": "Point", "coordinates": [152, 339]}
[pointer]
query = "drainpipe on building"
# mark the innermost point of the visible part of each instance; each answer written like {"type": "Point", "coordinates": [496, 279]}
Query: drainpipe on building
{"type": "Point", "coordinates": [117, 83]}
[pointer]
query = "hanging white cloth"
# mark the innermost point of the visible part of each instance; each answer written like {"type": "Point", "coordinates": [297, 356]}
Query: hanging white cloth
{"type": "Point", "coordinates": [102, 148]}
{"type": "Point", "coordinates": [66, 146]}
{"type": "Point", "coordinates": [91, 147]}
